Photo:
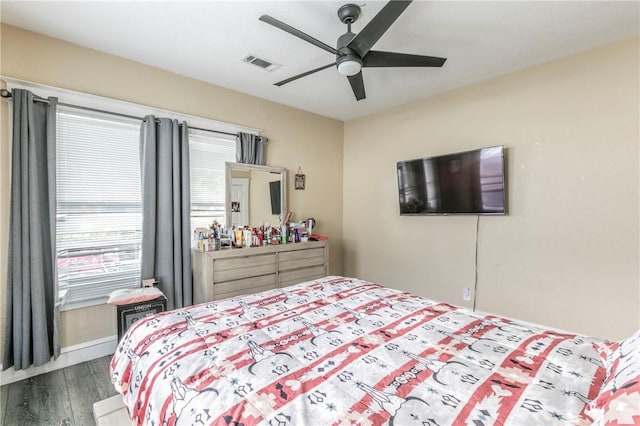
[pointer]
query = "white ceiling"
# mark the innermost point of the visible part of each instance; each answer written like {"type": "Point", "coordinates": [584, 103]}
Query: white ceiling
{"type": "Point", "coordinates": [207, 40]}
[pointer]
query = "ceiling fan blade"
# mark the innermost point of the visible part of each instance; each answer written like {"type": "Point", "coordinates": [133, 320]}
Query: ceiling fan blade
{"type": "Point", "coordinates": [380, 23]}
{"type": "Point", "coordinates": [377, 58]}
{"type": "Point", "coordinates": [296, 32]}
{"type": "Point", "coordinates": [295, 77]}
{"type": "Point", "coordinates": [357, 85]}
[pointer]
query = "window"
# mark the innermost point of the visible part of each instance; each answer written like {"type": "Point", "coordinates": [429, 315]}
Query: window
{"type": "Point", "coordinates": [99, 209]}
{"type": "Point", "coordinates": [99, 218]}
{"type": "Point", "coordinates": [207, 154]}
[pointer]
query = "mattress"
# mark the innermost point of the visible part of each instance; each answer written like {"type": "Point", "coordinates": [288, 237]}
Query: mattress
{"type": "Point", "coordinates": [343, 351]}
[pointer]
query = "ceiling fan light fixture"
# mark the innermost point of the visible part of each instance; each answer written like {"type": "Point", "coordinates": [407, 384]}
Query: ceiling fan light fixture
{"type": "Point", "coordinates": [349, 67]}
{"type": "Point", "coordinates": [353, 51]}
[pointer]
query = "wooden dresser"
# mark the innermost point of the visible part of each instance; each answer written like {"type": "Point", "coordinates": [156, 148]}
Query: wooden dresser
{"type": "Point", "coordinates": [232, 272]}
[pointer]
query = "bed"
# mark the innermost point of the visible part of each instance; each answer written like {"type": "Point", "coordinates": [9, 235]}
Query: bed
{"type": "Point", "coordinates": [343, 351]}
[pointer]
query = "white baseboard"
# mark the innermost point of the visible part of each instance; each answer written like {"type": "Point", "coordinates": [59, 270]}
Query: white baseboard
{"type": "Point", "coordinates": [69, 355]}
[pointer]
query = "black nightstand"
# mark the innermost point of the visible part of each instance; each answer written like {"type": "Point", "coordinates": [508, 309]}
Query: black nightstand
{"type": "Point", "coordinates": [128, 314]}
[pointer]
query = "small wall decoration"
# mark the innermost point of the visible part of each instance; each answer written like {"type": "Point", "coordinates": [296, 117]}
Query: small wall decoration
{"type": "Point", "coordinates": [235, 207]}
{"type": "Point", "coordinates": [300, 179]}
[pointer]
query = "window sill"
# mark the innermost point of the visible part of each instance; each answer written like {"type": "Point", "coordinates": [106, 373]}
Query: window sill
{"type": "Point", "coordinates": [69, 306]}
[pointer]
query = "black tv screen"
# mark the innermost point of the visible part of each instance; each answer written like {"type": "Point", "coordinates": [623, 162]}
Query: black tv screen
{"type": "Point", "coordinates": [469, 182]}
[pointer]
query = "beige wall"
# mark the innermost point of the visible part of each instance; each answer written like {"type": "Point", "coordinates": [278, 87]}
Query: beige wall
{"type": "Point", "coordinates": [41, 59]}
{"type": "Point", "coordinates": [566, 255]}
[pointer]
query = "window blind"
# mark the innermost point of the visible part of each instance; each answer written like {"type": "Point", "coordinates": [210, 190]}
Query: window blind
{"type": "Point", "coordinates": [99, 220]}
{"type": "Point", "coordinates": [99, 209]}
{"type": "Point", "coordinates": [208, 153]}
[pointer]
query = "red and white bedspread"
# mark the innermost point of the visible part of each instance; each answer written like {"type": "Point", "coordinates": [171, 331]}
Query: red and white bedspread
{"type": "Point", "coordinates": [341, 351]}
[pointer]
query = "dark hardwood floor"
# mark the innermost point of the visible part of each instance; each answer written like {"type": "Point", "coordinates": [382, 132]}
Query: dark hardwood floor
{"type": "Point", "coordinates": [61, 397]}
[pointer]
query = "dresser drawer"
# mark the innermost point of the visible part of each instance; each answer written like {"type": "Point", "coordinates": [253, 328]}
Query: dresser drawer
{"type": "Point", "coordinates": [297, 276]}
{"type": "Point", "coordinates": [301, 259]}
{"type": "Point", "coordinates": [242, 292]}
{"type": "Point", "coordinates": [244, 261]}
{"type": "Point", "coordinates": [243, 267]}
{"type": "Point", "coordinates": [244, 284]}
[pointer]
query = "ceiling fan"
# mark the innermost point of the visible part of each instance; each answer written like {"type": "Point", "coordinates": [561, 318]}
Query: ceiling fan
{"type": "Point", "coordinates": [353, 51]}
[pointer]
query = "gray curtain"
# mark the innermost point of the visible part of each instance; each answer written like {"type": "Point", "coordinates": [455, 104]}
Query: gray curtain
{"type": "Point", "coordinates": [250, 149]}
{"type": "Point", "coordinates": [166, 208]}
{"type": "Point", "coordinates": [31, 328]}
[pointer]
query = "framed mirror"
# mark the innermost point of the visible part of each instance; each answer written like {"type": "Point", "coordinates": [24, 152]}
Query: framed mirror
{"type": "Point", "coordinates": [255, 194]}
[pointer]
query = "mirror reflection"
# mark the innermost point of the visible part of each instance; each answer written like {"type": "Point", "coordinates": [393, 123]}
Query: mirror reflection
{"type": "Point", "coordinates": [255, 194]}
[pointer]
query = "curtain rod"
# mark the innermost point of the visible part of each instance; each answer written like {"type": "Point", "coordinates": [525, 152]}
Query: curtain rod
{"type": "Point", "coordinates": [7, 95]}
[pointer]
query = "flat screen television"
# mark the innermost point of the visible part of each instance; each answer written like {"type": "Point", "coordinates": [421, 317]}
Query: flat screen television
{"type": "Point", "coordinates": [471, 182]}
{"type": "Point", "coordinates": [274, 190]}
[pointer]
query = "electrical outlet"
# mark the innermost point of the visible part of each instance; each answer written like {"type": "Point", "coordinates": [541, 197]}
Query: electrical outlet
{"type": "Point", "coordinates": [466, 294]}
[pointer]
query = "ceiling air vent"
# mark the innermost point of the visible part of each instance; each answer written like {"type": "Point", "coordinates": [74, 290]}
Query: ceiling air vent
{"type": "Point", "coordinates": [265, 64]}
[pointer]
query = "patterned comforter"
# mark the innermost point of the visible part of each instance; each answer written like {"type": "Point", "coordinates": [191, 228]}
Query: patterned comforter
{"type": "Point", "coordinates": [342, 351]}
